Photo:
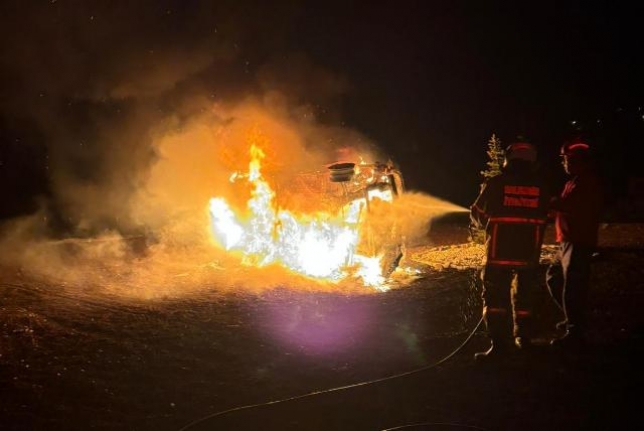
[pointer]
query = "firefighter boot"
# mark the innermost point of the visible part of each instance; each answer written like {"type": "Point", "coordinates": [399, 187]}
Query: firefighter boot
{"type": "Point", "coordinates": [496, 351]}
{"type": "Point", "coordinates": [571, 340]}
{"type": "Point", "coordinates": [499, 327]}
{"type": "Point", "coordinates": [524, 344]}
{"type": "Point", "coordinates": [523, 330]}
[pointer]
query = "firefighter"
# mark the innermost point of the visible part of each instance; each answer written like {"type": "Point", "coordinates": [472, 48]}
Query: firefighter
{"type": "Point", "coordinates": [512, 207]}
{"type": "Point", "coordinates": [577, 215]}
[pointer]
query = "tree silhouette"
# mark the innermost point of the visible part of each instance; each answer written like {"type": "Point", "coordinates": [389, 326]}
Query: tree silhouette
{"type": "Point", "coordinates": [495, 154]}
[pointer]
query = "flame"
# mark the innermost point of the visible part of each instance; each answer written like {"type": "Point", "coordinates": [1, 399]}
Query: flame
{"type": "Point", "coordinates": [322, 245]}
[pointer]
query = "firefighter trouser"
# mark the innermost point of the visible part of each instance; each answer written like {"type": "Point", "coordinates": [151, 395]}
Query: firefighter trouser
{"type": "Point", "coordinates": [568, 281]}
{"type": "Point", "coordinates": [508, 298]}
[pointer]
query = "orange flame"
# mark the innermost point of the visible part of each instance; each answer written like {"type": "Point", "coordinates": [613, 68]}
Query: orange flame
{"type": "Point", "coordinates": [321, 245]}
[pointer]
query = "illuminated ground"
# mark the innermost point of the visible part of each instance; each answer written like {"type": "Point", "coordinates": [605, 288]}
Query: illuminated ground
{"type": "Point", "coordinates": [78, 360]}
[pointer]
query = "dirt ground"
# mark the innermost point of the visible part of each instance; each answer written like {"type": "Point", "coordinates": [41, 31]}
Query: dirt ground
{"type": "Point", "coordinates": [307, 360]}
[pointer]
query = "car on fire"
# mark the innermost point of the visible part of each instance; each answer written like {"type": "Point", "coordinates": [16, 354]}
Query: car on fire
{"type": "Point", "coordinates": [375, 186]}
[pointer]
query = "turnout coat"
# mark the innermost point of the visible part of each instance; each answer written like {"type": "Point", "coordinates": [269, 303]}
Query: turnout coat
{"type": "Point", "coordinates": [513, 209]}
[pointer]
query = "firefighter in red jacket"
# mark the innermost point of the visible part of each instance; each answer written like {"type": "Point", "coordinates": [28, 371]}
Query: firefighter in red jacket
{"type": "Point", "coordinates": [512, 207]}
{"type": "Point", "coordinates": [577, 216]}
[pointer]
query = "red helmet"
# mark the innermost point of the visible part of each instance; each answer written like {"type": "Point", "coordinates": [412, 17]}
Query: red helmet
{"type": "Point", "coordinates": [521, 151]}
{"type": "Point", "coordinates": [575, 148]}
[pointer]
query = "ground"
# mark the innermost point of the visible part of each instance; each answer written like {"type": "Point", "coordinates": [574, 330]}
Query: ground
{"type": "Point", "coordinates": [286, 359]}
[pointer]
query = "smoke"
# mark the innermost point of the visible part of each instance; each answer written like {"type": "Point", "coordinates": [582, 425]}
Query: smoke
{"type": "Point", "coordinates": [145, 110]}
{"type": "Point", "coordinates": [96, 78]}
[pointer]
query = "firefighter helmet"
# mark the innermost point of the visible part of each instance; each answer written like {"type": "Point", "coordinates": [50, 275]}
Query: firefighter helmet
{"type": "Point", "coordinates": [521, 150]}
{"type": "Point", "coordinates": [576, 148]}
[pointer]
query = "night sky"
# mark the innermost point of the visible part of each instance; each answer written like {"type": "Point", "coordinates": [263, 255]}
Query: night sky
{"type": "Point", "coordinates": [427, 81]}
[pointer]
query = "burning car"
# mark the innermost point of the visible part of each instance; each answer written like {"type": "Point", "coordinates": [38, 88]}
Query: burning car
{"type": "Point", "coordinates": [330, 223]}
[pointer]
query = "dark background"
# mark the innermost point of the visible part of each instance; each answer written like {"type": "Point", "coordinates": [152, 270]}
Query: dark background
{"type": "Point", "coordinates": [433, 81]}
{"type": "Point", "coordinates": [427, 81]}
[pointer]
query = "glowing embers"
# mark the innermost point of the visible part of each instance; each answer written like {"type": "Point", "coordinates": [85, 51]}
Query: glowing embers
{"type": "Point", "coordinates": [321, 245]}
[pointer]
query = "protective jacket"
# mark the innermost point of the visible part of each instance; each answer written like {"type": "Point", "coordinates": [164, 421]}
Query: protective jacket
{"type": "Point", "coordinates": [512, 208]}
{"type": "Point", "coordinates": [578, 210]}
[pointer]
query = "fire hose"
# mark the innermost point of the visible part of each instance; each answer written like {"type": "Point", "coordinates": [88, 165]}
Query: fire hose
{"type": "Point", "coordinates": [440, 424]}
{"type": "Point", "coordinates": [355, 385]}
